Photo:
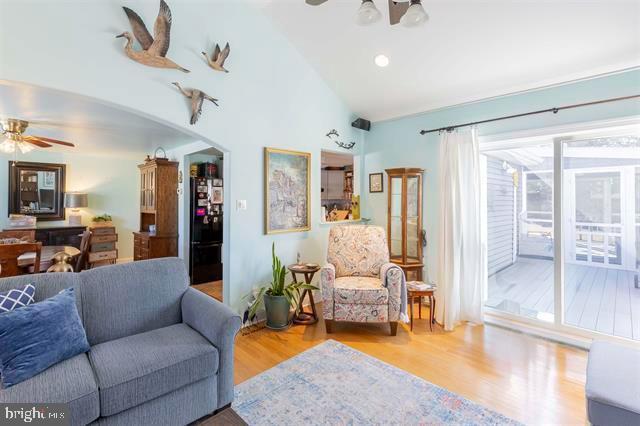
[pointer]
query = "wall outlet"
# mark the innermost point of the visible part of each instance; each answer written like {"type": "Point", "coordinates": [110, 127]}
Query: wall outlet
{"type": "Point", "coordinates": [241, 205]}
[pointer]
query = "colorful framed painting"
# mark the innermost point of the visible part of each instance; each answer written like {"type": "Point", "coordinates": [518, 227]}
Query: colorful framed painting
{"type": "Point", "coordinates": [375, 182]}
{"type": "Point", "coordinates": [287, 186]}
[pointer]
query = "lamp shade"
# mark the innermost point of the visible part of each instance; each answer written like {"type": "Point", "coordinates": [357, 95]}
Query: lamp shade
{"type": "Point", "coordinates": [75, 200]}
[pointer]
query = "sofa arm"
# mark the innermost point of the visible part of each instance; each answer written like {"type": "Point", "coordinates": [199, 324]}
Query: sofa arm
{"type": "Point", "coordinates": [327, 279]}
{"type": "Point", "coordinates": [218, 324]}
{"type": "Point", "coordinates": [392, 275]}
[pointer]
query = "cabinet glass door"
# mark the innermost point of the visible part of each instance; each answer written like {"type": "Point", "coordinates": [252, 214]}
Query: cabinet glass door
{"type": "Point", "coordinates": [413, 215]}
{"type": "Point", "coordinates": [395, 231]}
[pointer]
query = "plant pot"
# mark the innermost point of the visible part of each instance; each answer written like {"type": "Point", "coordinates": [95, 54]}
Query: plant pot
{"type": "Point", "coordinates": [102, 224]}
{"type": "Point", "coordinates": [277, 308]}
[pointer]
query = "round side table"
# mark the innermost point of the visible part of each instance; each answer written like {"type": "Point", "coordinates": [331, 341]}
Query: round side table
{"type": "Point", "coordinates": [302, 317]}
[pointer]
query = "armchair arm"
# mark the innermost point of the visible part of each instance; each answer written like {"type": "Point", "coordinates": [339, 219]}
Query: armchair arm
{"type": "Point", "coordinates": [218, 324]}
{"type": "Point", "coordinates": [327, 279]}
{"type": "Point", "coordinates": [393, 276]}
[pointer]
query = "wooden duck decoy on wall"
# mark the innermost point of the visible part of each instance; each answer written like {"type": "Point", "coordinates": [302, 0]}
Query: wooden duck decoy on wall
{"type": "Point", "coordinates": [154, 49]}
{"type": "Point", "coordinates": [197, 99]}
{"type": "Point", "coordinates": [219, 56]}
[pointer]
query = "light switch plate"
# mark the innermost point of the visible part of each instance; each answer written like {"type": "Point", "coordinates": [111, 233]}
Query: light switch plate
{"type": "Point", "coordinates": [241, 205]}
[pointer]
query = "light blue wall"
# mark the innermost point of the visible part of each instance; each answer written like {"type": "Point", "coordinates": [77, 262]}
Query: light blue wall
{"type": "Point", "coordinates": [271, 97]}
{"type": "Point", "coordinates": [397, 143]}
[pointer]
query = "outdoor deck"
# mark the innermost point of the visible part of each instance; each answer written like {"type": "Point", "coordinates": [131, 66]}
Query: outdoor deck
{"type": "Point", "coordinates": [596, 298]}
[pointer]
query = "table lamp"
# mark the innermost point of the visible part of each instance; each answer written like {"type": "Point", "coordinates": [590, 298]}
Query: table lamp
{"type": "Point", "coordinates": [75, 201]}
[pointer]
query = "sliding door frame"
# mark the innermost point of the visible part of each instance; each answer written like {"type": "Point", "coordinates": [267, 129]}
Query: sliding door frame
{"type": "Point", "coordinates": [558, 135]}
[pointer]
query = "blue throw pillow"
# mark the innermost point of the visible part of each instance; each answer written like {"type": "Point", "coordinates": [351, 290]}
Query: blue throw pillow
{"type": "Point", "coordinates": [37, 336]}
{"type": "Point", "coordinates": [17, 298]}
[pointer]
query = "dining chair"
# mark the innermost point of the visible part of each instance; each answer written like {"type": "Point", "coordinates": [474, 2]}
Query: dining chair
{"type": "Point", "coordinates": [85, 243]}
{"type": "Point", "coordinates": [28, 235]}
{"type": "Point", "coordinates": [9, 254]}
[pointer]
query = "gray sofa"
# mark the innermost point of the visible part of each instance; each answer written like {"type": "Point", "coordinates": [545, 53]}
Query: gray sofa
{"type": "Point", "coordinates": [613, 385]}
{"type": "Point", "coordinates": [161, 352]}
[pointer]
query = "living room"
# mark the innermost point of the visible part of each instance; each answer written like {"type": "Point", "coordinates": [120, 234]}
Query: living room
{"type": "Point", "coordinates": [378, 186]}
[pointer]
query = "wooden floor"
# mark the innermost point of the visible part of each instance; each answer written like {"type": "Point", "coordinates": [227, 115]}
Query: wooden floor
{"type": "Point", "coordinates": [596, 298]}
{"type": "Point", "coordinates": [526, 378]}
{"type": "Point", "coordinates": [213, 289]}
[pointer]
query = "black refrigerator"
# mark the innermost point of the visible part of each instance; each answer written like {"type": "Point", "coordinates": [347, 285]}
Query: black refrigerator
{"type": "Point", "coordinates": [205, 255]}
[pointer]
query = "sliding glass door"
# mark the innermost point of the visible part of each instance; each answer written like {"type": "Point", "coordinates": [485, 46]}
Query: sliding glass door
{"type": "Point", "coordinates": [520, 230]}
{"type": "Point", "coordinates": [600, 234]}
{"type": "Point", "coordinates": [563, 231]}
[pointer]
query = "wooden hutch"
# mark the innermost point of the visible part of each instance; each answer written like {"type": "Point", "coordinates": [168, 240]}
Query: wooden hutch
{"type": "Point", "coordinates": [159, 208]}
{"type": "Point", "coordinates": [404, 220]}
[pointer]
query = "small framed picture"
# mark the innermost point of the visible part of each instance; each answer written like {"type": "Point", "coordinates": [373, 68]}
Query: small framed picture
{"type": "Point", "coordinates": [216, 195]}
{"type": "Point", "coordinates": [375, 182]}
{"type": "Point", "coordinates": [216, 208]}
{"type": "Point", "coordinates": [217, 182]}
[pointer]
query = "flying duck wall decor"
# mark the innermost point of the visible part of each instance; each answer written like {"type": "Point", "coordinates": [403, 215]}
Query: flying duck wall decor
{"type": "Point", "coordinates": [219, 56]}
{"type": "Point", "coordinates": [154, 49]}
{"type": "Point", "coordinates": [197, 99]}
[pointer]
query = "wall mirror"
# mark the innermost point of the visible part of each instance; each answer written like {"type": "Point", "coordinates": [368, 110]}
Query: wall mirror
{"type": "Point", "coordinates": [37, 189]}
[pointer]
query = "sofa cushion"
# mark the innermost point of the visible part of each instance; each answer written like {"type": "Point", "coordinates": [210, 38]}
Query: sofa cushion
{"type": "Point", "coordinates": [46, 285]}
{"type": "Point", "coordinates": [132, 298]}
{"type": "Point", "coordinates": [17, 297]}
{"type": "Point", "coordinates": [613, 384]}
{"type": "Point", "coordinates": [70, 381]}
{"type": "Point", "coordinates": [360, 290]}
{"type": "Point", "coordinates": [35, 337]}
{"type": "Point", "coordinates": [136, 369]}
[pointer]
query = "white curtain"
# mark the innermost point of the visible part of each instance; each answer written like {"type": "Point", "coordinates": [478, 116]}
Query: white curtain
{"type": "Point", "coordinates": [462, 247]}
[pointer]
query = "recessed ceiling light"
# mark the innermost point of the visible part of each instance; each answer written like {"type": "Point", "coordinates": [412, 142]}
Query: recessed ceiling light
{"type": "Point", "coordinates": [381, 61]}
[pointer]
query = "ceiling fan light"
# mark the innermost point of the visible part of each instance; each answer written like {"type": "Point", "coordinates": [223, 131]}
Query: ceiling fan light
{"type": "Point", "coordinates": [24, 147]}
{"type": "Point", "coordinates": [415, 15]}
{"type": "Point", "coordinates": [368, 13]}
{"type": "Point", "coordinates": [7, 146]}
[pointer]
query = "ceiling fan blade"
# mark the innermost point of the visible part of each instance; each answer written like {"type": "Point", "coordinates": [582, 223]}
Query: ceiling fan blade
{"type": "Point", "coordinates": [397, 10]}
{"type": "Point", "coordinates": [37, 143]}
{"type": "Point", "coordinates": [42, 138]}
{"type": "Point", "coordinates": [315, 2]}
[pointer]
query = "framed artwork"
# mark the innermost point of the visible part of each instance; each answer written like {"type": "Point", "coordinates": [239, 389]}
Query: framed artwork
{"type": "Point", "coordinates": [216, 195]}
{"type": "Point", "coordinates": [287, 186]}
{"type": "Point", "coordinates": [375, 182]}
{"type": "Point", "coordinates": [217, 182]}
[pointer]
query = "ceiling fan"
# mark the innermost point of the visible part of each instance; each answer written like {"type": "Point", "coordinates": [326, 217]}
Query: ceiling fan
{"type": "Point", "coordinates": [13, 129]}
{"type": "Point", "coordinates": [408, 13]}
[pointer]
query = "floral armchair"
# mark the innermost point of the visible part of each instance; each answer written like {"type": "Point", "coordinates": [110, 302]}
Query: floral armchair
{"type": "Point", "coordinates": [358, 284]}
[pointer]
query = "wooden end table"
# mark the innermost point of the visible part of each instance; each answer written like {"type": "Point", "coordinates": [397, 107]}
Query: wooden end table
{"type": "Point", "coordinates": [419, 294]}
{"type": "Point", "coordinates": [302, 317]}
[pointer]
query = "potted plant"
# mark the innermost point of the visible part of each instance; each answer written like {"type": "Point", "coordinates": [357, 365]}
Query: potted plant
{"type": "Point", "coordinates": [276, 296]}
{"type": "Point", "coordinates": [102, 220]}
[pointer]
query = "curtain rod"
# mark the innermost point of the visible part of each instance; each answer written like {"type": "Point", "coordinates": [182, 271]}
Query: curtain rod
{"type": "Point", "coordinates": [542, 111]}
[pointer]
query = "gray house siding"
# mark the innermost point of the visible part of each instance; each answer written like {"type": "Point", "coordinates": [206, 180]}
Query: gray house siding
{"type": "Point", "coordinates": [501, 226]}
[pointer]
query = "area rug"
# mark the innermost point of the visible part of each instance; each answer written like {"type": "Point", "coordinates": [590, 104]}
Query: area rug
{"type": "Point", "coordinates": [333, 384]}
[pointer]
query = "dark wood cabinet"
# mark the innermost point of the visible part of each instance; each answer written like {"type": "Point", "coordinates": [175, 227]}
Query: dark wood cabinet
{"type": "Point", "coordinates": [158, 234]}
{"type": "Point", "coordinates": [62, 235]}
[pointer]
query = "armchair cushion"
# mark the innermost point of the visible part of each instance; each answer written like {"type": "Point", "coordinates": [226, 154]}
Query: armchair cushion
{"type": "Point", "coordinates": [361, 313]}
{"type": "Point", "coordinates": [357, 250]}
{"type": "Point", "coordinates": [360, 290]}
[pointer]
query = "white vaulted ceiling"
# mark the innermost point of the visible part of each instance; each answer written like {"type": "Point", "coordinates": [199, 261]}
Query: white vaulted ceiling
{"type": "Point", "coordinates": [92, 126]}
{"type": "Point", "coordinates": [468, 50]}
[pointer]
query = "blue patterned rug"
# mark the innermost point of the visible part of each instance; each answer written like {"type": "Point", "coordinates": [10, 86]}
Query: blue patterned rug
{"type": "Point", "coordinates": [332, 384]}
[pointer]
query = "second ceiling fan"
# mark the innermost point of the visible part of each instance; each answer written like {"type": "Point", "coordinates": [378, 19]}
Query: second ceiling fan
{"type": "Point", "coordinates": [409, 13]}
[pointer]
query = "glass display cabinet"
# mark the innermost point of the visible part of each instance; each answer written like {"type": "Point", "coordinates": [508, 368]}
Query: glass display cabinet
{"type": "Point", "coordinates": [404, 220]}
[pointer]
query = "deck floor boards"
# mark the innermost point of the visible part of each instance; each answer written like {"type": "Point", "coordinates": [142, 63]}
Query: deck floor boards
{"type": "Point", "coordinates": [596, 298]}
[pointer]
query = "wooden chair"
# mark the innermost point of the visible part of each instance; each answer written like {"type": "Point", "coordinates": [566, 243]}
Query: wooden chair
{"type": "Point", "coordinates": [85, 244]}
{"type": "Point", "coordinates": [28, 235]}
{"type": "Point", "coordinates": [9, 254]}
